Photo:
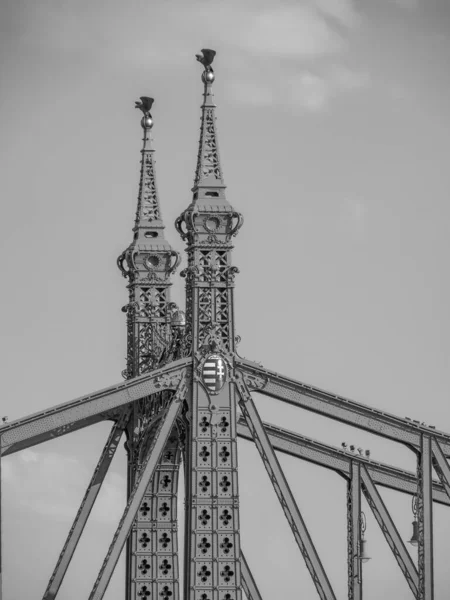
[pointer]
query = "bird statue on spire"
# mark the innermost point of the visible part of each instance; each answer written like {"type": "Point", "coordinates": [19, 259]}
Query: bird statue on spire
{"type": "Point", "coordinates": [145, 105]}
{"type": "Point", "coordinates": [206, 59]}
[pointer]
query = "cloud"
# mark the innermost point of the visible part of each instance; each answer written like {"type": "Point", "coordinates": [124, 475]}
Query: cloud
{"type": "Point", "coordinates": [354, 216]}
{"type": "Point", "coordinates": [53, 485]}
{"type": "Point", "coordinates": [303, 91]}
{"type": "Point", "coordinates": [299, 31]}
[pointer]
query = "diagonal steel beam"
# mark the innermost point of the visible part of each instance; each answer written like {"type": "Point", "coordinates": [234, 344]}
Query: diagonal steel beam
{"type": "Point", "coordinates": [269, 383]}
{"type": "Point", "coordinates": [84, 411]}
{"type": "Point", "coordinates": [390, 532]}
{"type": "Point", "coordinates": [87, 503]}
{"type": "Point", "coordinates": [339, 460]}
{"type": "Point", "coordinates": [248, 583]}
{"type": "Point", "coordinates": [284, 493]}
{"type": "Point", "coordinates": [441, 465]}
{"type": "Point", "coordinates": [157, 445]}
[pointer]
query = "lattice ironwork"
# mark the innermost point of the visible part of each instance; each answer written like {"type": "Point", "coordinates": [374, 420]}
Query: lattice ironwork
{"type": "Point", "coordinates": [184, 383]}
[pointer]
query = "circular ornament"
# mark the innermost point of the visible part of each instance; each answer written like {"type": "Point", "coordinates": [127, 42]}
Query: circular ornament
{"type": "Point", "coordinates": [212, 224]}
{"type": "Point", "coordinates": [151, 262]}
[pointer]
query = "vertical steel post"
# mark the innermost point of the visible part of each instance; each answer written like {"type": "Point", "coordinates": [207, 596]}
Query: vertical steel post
{"type": "Point", "coordinates": [425, 519]}
{"type": "Point", "coordinates": [1, 537]}
{"type": "Point", "coordinates": [354, 532]}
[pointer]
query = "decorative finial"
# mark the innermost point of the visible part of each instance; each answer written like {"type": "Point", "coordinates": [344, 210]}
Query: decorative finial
{"type": "Point", "coordinates": [145, 105]}
{"type": "Point", "coordinates": [206, 60]}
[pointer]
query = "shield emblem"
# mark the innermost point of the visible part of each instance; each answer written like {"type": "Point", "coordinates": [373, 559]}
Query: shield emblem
{"type": "Point", "coordinates": [214, 373]}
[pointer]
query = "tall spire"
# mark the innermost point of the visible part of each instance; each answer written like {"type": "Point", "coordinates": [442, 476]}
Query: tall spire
{"type": "Point", "coordinates": [208, 179]}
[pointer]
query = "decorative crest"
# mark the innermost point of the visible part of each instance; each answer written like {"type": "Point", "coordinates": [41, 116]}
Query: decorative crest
{"type": "Point", "coordinates": [145, 105]}
{"type": "Point", "coordinates": [206, 59]}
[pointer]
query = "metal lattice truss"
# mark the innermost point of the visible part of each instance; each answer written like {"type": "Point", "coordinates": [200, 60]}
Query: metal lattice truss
{"type": "Point", "coordinates": [363, 474]}
{"type": "Point", "coordinates": [179, 405]}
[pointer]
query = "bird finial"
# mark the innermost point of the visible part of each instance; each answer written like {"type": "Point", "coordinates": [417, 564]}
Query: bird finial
{"type": "Point", "coordinates": [145, 105]}
{"type": "Point", "coordinates": [206, 59]}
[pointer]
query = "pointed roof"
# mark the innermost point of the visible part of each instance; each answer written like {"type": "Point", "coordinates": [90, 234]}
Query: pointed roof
{"type": "Point", "coordinates": [148, 223]}
{"type": "Point", "coordinates": [208, 182]}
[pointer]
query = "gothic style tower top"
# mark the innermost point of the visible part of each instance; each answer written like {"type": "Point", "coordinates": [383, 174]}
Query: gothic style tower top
{"type": "Point", "coordinates": [148, 263]}
{"type": "Point", "coordinates": [209, 186]}
{"type": "Point", "coordinates": [208, 225]}
{"type": "Point", "coordinates": [149, 254]}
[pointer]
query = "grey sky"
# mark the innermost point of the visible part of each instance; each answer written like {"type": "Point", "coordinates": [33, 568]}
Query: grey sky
{"type": "Point", "coordinates": [333, 121]}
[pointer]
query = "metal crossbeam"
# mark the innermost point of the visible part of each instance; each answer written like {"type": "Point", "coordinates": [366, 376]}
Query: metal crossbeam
{"type": "Point", "coordinates": [441, 466]}
{"type": "Point", "coordinates": [287, 500]}
{"type": "Point", "coordinates": [87, 410]}
{"type": "Point", "coordinates": [389, 530]}
{"type": "Point", "coordinates": [381, 423]}
{"type": "Point", "coordinates": [84, 511]}
{"type": "Point", "coordinates": [248, 583]}
{"type": "Point", "coordinates": [142, 480]}
{"type": "Point", "coordinates": [340, 461]}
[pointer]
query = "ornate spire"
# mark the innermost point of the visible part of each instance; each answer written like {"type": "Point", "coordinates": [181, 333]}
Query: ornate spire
{"type": "Point", "coordinates": [149, 254]}
{"type": "Point", "coordinates": [148, 214]}
{"type": "Point", "coordinates": [209, 170]}
{"type": "Point", "coordinates": [148, 263]}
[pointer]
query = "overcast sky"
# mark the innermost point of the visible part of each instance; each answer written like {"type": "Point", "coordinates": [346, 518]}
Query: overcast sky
{"type": "Point", "coordinates": [333, 120]}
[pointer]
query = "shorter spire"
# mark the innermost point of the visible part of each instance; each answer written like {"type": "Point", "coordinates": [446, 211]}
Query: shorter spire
{"type": "Point", "coordinates": [149, 254]}
{"type": "Point", "coordinates": [148, 214]}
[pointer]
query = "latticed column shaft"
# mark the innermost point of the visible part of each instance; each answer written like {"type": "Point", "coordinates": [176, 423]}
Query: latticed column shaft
{"type": "Point", "coordinates": [153, 570]}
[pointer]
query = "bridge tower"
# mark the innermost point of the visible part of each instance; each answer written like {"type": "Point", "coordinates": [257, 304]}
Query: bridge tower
{"type": "Point", "coordinates": [212, 549]}
{"type": "Point", "coordinates": [154, 326]}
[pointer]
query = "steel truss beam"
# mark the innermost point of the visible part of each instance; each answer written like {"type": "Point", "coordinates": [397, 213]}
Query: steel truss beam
{"type": "Point", "coordinates": [441, 466]}
{"type": "Point", "coordinates": [425, 520]}
{"type": "Point", "coordinates": [248, 583]}
{"type": "Point", "coordinates": [284, 493]}
{"type": "Point", "coordinates": [389, 530]}
{"type": "Point", "coordinates": [384, 424]}
{"type": "Point", "coordinates": [148, 468]}
{"type": "Point", "coordinates": [87, 503]}
{"type": "Point", "coordinates": [354, 533]}
{"type": "Point", "coordinates": [340, 461]}
{"type": "Point", "coordinates": [87, 410]}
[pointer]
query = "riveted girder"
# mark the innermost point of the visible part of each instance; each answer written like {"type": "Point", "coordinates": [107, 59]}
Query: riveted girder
{"type": "Point", "coordinates": [354, 562]}
{"type": "Point", "coordinates": [340, 460]}
{"type": "Point", "coordinates": [248, 583]}
{"type": "Point", "coordinates": [342, 409]}
{"type": "Point", "coordinates": [425, 520]}
{"type": "Point", "coordinates": [87, 410]}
